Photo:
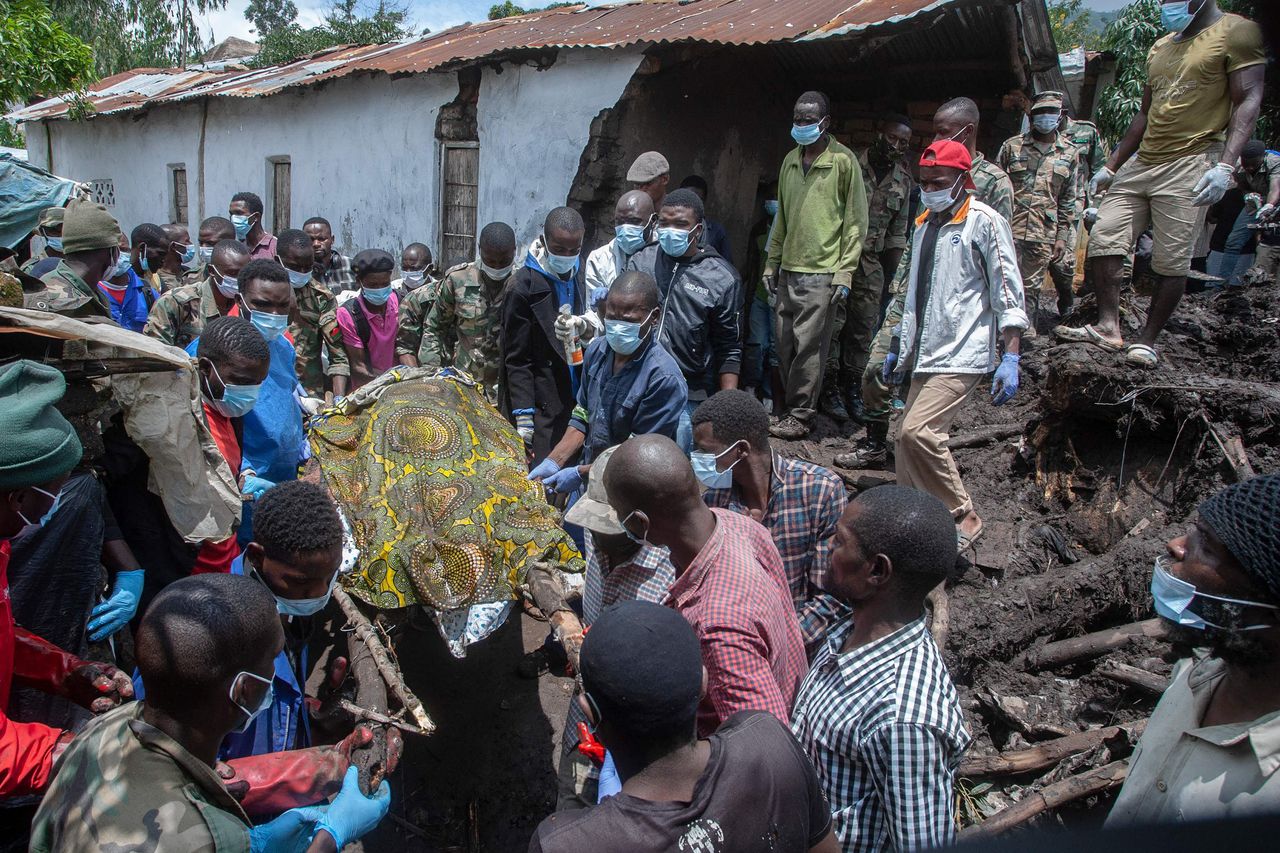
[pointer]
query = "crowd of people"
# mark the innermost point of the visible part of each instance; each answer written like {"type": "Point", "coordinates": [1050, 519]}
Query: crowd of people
{"type": "Point", "coordinates": [754, 661]}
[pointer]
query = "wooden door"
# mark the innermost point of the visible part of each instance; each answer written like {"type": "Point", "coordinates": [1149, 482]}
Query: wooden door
{"type": "Point", "coordinates": [458, 200]}
{"type": "Point", "coordinates": [280, 195]}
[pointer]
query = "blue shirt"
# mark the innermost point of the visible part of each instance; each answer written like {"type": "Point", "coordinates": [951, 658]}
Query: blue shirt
{"type": "Point", "coordinates": [131, 312]}
{"type": "Point", "coordinates": [646, 396]}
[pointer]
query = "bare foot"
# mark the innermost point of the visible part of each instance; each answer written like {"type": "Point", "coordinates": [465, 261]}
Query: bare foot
{"type": "Point", "coordinates": [970, 524]}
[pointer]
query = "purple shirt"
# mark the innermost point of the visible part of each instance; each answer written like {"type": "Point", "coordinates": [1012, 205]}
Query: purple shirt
{"type": "Point", "coordinates": [382, 331]}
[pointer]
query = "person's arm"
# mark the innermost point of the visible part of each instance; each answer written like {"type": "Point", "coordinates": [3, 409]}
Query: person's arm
{"type": "Point", "coordinates": [820, 608]}
{"type": "Point", "coordinates": [1245, 88]}
{"type": "Point", "coordinates": [908, 767]}
{"type": "Point", "coordinates": [1004, 155]}
{"type": "Point", "coordinates": [739, 677]}
{"type": "Point", "coordinates": [410, 330]}
{"type": "Point", "coordinates": [1273, 193]}
{"type": "Point", "coordinates": [1066, 213]}
{"type": "Point", "coordinates": [162, 321]}
{"type": "Point", "coordinates": [1004, 281]}
{"type": "Point", "coordinates": [829, 844]}
{"type": "Point", "coordinates": [357, 357]}
{"type": "Point", "coordinates": [438, 327]}
{"type": "Point", "coordinates": [37, 663]}
{"type": "Point", "coordinates": [518, 328]}
{"type": "Point", "coordinates": [27, 753]}
{"type": "Point", "coordinates": [658, 410]}
{"type": "Point", "coordinates": [1132, 137]}
{"type": "Point", "coordinates": [331, 335]}
{"type": "Point", "coordinates": [778, 233]}
{"type": "Point", "coordinates": [854, 229]}
{"type": "Point", "coordinates": [726, 333]}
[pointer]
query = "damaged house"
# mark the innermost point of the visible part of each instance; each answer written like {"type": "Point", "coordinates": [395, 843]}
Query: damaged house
{"type": "Point", "coordinates": [429, 138]}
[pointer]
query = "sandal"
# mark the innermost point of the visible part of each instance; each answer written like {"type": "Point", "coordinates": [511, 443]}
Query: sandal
{"type": "Point", "coordinates": [965, 541]}
{"type": "Point", "coordinates": [1141, 355]}
{"type": "Point", "coordinates": [1085, 335]}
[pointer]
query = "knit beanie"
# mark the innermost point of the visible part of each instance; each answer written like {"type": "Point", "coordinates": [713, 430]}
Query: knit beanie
{"type": "Point", "coordinates": [86, 225]}
{"type": "Point", "coordinates": [39, 444]}
{"type": "Point", "coordinates": [1246, 518]}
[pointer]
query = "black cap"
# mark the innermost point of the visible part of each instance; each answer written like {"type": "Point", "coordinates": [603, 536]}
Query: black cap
{"type": "Point", "coordinates": [372, 260]}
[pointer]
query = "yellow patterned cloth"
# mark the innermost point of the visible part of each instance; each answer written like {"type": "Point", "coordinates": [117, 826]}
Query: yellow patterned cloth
{"type": "Point", "coordinates": [432, 481]}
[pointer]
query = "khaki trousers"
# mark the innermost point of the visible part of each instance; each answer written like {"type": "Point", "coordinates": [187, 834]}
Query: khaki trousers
{"type": "Point", "coordinates": [804, 319]}
{"type": "Point", "coordinates": [924, 461]}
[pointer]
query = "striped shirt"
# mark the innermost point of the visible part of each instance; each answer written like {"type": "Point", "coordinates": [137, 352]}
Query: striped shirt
{"type": "Point", "coordinates": [805, 505]}
{"type": "Point", "coordinates": [734, 594]}
{"type": "Point", "coordinates": [884, 730]}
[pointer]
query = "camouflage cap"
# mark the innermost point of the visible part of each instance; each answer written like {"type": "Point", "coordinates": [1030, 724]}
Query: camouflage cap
{"type": "Point", "coordinates": [1047, 101]}
{"type": "Point", "coordinates": [86, 226]}
{"type": "Point", "coordinates": [52, 217]}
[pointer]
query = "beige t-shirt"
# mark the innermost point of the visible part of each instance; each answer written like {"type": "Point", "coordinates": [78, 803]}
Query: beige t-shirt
{"type": "Point", "coordinates": [1190, 98]}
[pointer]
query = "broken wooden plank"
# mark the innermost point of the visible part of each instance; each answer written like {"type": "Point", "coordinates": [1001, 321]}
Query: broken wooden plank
{"type": "Point", "coordinates": [1133, 676]}
{"type": "Point", "coordinates": [1054, 796]}
{"type": "Point", "coordinates": [1093, 645]}
{"type": "Point", "coordinates": [1042, 756]}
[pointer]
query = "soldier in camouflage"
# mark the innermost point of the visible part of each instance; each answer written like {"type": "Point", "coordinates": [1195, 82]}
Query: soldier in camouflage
{"type": "Point", "coordinates": [91, 250]}
{"type": "Point", "coordinates": [178, 317]}
{"type": "Point", "coordinates": [315, 322]}
{"type": "Point", "coordinates": [888, 202]}
{"type": "Point", "coordinates": [50, 228]}
{"type": "Point", "coordinates": [212, 231]}
{"type": "Point", "coordinates": [1043, 166]}
{"type": "Point", "coordinates": [957, 119]}
{"type": "Point", "coordinates": [1091, 155]}
{"type": "Point", "coordinates": [415, 305]}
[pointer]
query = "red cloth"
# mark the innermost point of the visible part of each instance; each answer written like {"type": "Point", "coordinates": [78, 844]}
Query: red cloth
{"type": "Point", "coordinates": [117, 295]}
{"type": "Point", "coordinates": [216, 557]}
{"type": "Point", "coordinates": [735, 595]}
{"type": "Point", "coordinates": [26, 749]}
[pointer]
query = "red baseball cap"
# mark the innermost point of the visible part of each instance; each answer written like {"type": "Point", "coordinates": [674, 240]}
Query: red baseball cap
{"type": "Point", "coordinates": [952, 155]}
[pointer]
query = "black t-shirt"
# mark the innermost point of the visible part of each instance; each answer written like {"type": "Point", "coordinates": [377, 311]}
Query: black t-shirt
{"type": "Point", "coordinates": [757, 793]}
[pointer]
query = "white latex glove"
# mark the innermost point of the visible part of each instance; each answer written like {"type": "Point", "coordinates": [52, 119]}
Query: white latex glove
{"type": "Point", "coordinates": [570, 326]}
{"type": "Point", "coordinates": [1266, 212]}
{"type": "Point", "coordinates": [1101, 180]}
{"type": "Point", "coordinates": [310, 405]}
{"type": "Point", "coordinates": [1213, 184]}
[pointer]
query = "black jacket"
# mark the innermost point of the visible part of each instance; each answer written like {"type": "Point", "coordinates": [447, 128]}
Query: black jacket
{"type": "Point", "coordinates": [701, 304]}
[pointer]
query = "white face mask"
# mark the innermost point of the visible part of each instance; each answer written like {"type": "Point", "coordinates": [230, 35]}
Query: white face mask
{"type": "Point", "coordinates": [939, 200]}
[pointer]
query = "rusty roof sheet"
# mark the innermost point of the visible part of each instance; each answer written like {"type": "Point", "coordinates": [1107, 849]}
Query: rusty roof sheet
{"type": "Point", "coordinates": [729, 22]}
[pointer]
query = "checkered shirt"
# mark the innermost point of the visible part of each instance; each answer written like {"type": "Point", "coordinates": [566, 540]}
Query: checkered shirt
{"type": "Point", "coordinates": [884, 730]}
{"type": "Point", "coordinates": [734, 595]}
{"type": "Point", "coordinates": [805, 504]}
{"type": "Point", "coordinates": [338, 277]}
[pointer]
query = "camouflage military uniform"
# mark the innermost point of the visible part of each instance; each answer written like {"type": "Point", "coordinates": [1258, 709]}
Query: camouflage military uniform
{"type": "Point", "coordinates": [178, 317]}
{"type": "Point", "coordinates": [125, 785]}
{"type": "Point", "coordinates": [414, 306]}
{"type": "Point", "coordinates": [1091, 157]}
{"type": "Point", "coordinates": [887, 214]}
{"type": "Point", "coordinates": [163, 281]}
{"type": "Point", "coordinates": [1044, 185]}
{"type": "Point", "coordinates": [316, 328]}
{"type": "Point", "coordinates": [465, 319]}
{"type": "Point", "coordinates": [66, 293]}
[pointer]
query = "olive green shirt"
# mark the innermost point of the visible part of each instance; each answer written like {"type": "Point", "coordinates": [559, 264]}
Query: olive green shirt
{"type": "Point", "coordinates": [66, 293]}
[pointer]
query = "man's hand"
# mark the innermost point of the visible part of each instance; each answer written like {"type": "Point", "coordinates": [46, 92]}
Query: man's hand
{"type": "Point", "coordinates": [352, 814]}
{"type": "Point", "coordinates": [1090, 215]}
{"type": "Point", "coordinates": [1059, 249]}
{"type": "Point", "coordinates": [253, 487]}
{"type": "Point", "coordinates": [1266, 213]}
{"type": "Point", "coordinates": [114, 613]}
{"type": "Point", "coordinates": [524, 428]}
{"type": "Point", "coordinates": [291, 831]}
{"type": "Point", "coordinates": [1101, 181]}
{"type": "Point", "coordinates": [564, 481]}
{"type": "Point", "coordinates": [770, 281]}
{"type": "Point", "coordinates": [886, 369]}
{"type": "Point", "coordinates": [98, 687]}
{"type": "Point", "coordinates": [1213, 184]}
{"type": "Point", "coordinates": [567, 628]}
{"type": "Point", "coordinates": [1005, 383]}
{"type": "Point", "coordinates": [570, 326]}
{"type": "Point", "coordinates": [839, 293]}
{"type": "Point", "coordinates": [544, 469]}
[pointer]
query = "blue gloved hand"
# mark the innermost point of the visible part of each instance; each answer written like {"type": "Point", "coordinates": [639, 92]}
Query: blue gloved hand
{"type": "Point", "coordinates": [598, 293]}
{"type": "Point", "coordinates": [114, 613]}
{"type": "Point", "coordinates": [610, 783]}
{"type": "Point", "coordinates": [255, 487]}
{"type": "Point", "coordinates": [565, 480]}
{"type": "Point", "coordinates": [839, 294]}
{"type": "Point", "coordinates": [544, 469]}
{"type": "Point", "coordinates": [291, 832]}
{"type": "Point", "coordinates": [886, 370]}
{"type": "Point", "coordinates": [352, 814]}
{"type": "Point", "coordinates": [1005, 383]}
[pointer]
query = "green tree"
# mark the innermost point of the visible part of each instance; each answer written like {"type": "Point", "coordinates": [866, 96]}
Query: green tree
{"type": "Point", "coordinates": [267, 16]}
{"type": "Point", "coordinates": [1072, 25]}
{"type": "Point", "coordinates": [343, 24]}
{"type": "Point", "coordinates": [129, 34]}
{"type": "Point", "coordinates": [37, 54]}
{"type": "Point", "coordinates": [1129, 37]}
{"type": "Point", "coordinates": [506, 9]}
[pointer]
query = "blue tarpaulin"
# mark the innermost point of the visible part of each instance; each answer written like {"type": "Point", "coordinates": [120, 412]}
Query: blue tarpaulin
{"type": "Point", "coordinates": [25, 191]}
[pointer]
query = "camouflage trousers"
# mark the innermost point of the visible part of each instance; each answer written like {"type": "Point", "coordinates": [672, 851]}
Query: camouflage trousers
{"type": "Point", "coordinates": [855, 325]}
{"type": "Point", "coordinates": [1063, 271]}
{"type": "Point", "coordinates": [1033, 263]}
{"type": "Point", "coordinates": [877, 397]}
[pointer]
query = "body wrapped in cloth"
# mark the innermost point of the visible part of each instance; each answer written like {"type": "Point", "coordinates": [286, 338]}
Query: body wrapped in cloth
{"type": "Point", "coordinates": [432, 483]}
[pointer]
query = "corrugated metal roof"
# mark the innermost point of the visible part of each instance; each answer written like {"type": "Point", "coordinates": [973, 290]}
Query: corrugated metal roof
{"type": "Point", "coordinates": [730, 22]}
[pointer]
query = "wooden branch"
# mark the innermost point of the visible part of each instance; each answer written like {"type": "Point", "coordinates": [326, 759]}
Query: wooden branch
{"type": "Point", "coordinates": [1053, 796]}
{"type": "Point", "coordinates": [1093, 645]}
{"type": "Point", "coordinates": [1232, 450]}
{"type": "Point", "coordinates": [390, 672]}
{"type": "Point", "coordinates": [375, 717]}
{"type": "Point", "coordinates": [1133, 676]}
{"type": "Point", "coordinates": [1042, 756]}
{"type": "Point", "coordinates": [986, 435]}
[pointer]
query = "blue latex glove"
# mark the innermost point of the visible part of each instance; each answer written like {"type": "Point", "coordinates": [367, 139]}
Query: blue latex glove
{"type": "Point", "coordinates": [609, 783]}
{"type": "Point", "coordinates": [290, 833]}
{"type": "Point", "coordinates": [565, 480]}
{"type": "Point", "coordinates": [352, 814]}
{"type": "Point", "coordinates": [839, 294]}
{"type": "Point", "coordinates": [255, 487]}
{"type": "Point", "coordinates": [886, 370]}
{"type": "Point", "coordinates": [544, 469]}
{"type": "Point", "coordinates": [114, 613]}
{"type": "Point", "coordinates": [1005, 383]}
{"type": "Point", "coordinates": [598, 293]}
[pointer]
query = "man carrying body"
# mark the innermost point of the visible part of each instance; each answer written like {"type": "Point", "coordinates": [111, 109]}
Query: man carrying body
{"type": "Point", "coordinates": [150, 249]}
{"type": "Point", "coordinates": [1091, 156]}
{"type": "Point", "coordinates": [245, 212]}
{"type": "Point", "coordinates": [314, 328]}
{"type": "Point", "coordinates": [701, 303]}
{"type": "Point", "coordinates": [651, 174]}
{"type": "Point", "coordinates": [888, 221]}
{"type": "Point", "coordinates": [1042, 164]}
{"type": "Point", "coordinates": [1210, 750]}
{"type": "Point", "coordinates": [878, 714]}
{"type": "Point", "coordinates": [633, 219]}
{"type": "Point", "coordinates": [730, 584]}
{"type": "Point", "coordinates": [956, 120]}
{"type": "Point", "coordinates": [333, 268]}
{"type": "Point", "coordinates": [1204, 85]}
{"type": "Point", "coordinates": [814, 249]}
{"type": "Point", "coordinates": [1259, 174]}
{"type": "Point", "coordinates": [179, 316]}
{"type": "Point", "coordinates": [798, 502]}
{"type": "Point", "coordinates": [91, 250]}
{"type": "Point", "coordinates": [748, 789]}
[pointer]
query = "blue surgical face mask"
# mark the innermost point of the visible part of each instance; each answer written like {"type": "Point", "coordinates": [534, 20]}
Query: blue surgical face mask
{"type": "Point", "coordinates": [189, 261]}
{"type": "Point", "coordinates": [54, 243]}
{"type": "Point", "coordinates": [300, 606]}
{"type": "Point", "coordinates": [704, 468]}
{"type": "Point", "coordinates": [1176, 17]}
{"type": "Point", "coordinates": [675, 241]}
{"type": "Point", "coordinates": [242, 225]}
{"type": "Point", "coordinates": [1174, 598]}
{"type": "Point", "coordinates": [1045, 123]}
{"type": "Point", "coordinates": [122, 266]}
{"type": "Point", "coordinates": [237, 400]}
{"type": "Point", "coordinates": [806, 134]}
{"type": "Point", "coordinates": [376, 295]}
{"type": "Point", "coordinates": [205, 254]}
{"type": "Point", "coordinates": [560, 264]}
{"type": "Point", "coordinates": [44, 519]}
{"type": "Point", "coordinates": [771, 207]}
{"type": "Point", "coordinates": [630, 238]}
{"type": "Point", "coordinates": [263, 705]}
{"type": "Point", "coordinates": [142, 261]}
{"type": "Point", "coordinates": [639, 540]}
{"type": "Point", "coordinates": [271, 326]}
{"type": "Point", "coordinates": [623, 336]}
{"type": "Point", "coordinates": [298, 279]}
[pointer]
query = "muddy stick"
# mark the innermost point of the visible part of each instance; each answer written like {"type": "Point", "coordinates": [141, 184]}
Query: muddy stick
{"type": "Point", "coordinates": [986, 435]}
{"type": "Point", "coordinates": [1133, 676]}
{"type": "Point", "coordinates": [1051, 797]}
{"type": "Point", "coordinates": [376, 717]}
{"type": "Point", "coordinates": [1045, 755]}
{"type": "Point", "coordinates": [1093, 645]}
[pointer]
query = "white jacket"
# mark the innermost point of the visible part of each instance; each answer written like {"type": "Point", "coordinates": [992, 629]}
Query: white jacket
{"type": "Point", "coordinates": [976, 294]}
{"type": "Point", "coordinates": [604, 265]}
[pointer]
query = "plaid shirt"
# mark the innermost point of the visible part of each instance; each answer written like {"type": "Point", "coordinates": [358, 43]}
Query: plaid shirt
{"type": "Point", "coordinates": [805, 504]}
{"type": "Point", "coordinates": [338, 277]}
{"type": "Point", "coordinates": [734, 595]}
{"type": "Point", "coordinates": [884, 730]}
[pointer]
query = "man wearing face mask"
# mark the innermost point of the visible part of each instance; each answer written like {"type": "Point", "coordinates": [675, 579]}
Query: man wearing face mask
{"type": "Point", "coordinates": [630, 385]}
{"type": "Point", "coordinates": [814, 249]}
{"type": "Point", "coordinates": [799, 502]}
{"type": "Point", "coordinates": [701, 303]}
{"type": "Point", "coordinates": [314, 328]}
{"type": "Point", "coordinates": [1091, 155]}
{"type": "Point", "coordinates": [150, 249]}
{"type": "Point", "coordinates": [633, 219]}
{"type": "Point", "coordinates": [1042, 164]}
{"type": "Point", "coordinates": [371, 320]}
{"type": "Point", "coordinates": [131, 296]}
{"type": "Point", "coordinates": [179, 316]}
{"type": "Point", "coordinates": [888, 217]}
{"type": "Point", "coordinates": [461, 328]}
{"type": "Point", "coordinates": [205, 651]}
{"type": "Point", "coordinates": [91, 252]}
{"type": "Point", "coordinates": [1210, 749]}
{"type": "Point", "coordinates": [181, 258]}
{"type": "Point", "coordinates": [245, 212]}
{"type": "Point", "coordinates": [760, 375]}
{"type": "Point", "coordinates": [416, 272]}
{"type": "Point", "coordinates": [50, 228]}
{"type": "Point", "coordinates": [1199, 107]}
{"type": "Point", "coordinates": [542, 332]}
{"type": "Point", "coordinates": [212, 231]}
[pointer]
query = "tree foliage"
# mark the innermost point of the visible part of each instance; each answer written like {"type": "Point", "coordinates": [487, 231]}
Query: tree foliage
{"type": "Point", "coordinates": [1129, 37]}
{"type": "Point", "coordinates": [129, 34]}
{"type": "Point", "coordinates": [38, 56]}
{"type": "Point", "coordinates": [268, 16]}
{"type": "Point", "coordinates": [1072, 25]}
{"type": "Point", "coordinates": [343, 24]}
{"type": "Point", "coordinates": [507, 9]}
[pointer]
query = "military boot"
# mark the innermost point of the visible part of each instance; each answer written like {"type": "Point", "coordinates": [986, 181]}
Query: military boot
{"type": "Point", "coordinates": [871, 452]}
